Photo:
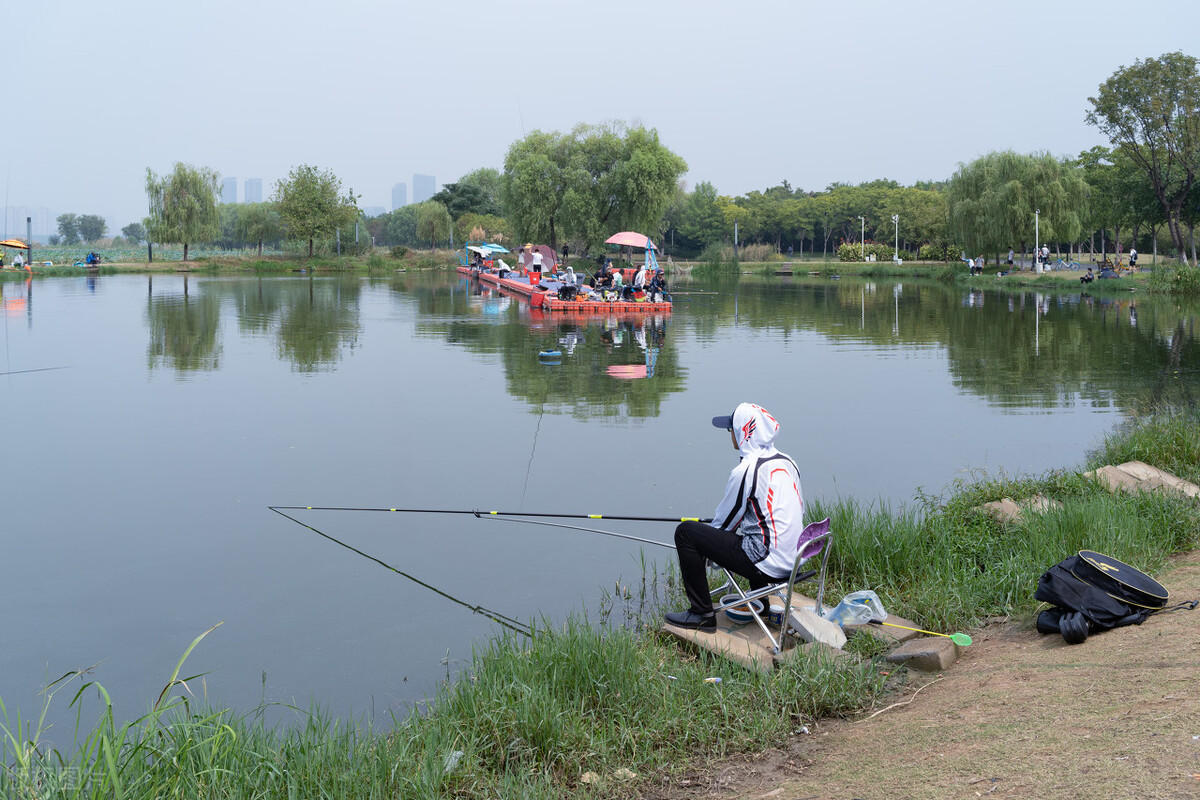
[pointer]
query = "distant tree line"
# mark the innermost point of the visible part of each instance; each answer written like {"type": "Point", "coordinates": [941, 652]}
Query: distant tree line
{"type": "Point", "coordinates": [578, 188]}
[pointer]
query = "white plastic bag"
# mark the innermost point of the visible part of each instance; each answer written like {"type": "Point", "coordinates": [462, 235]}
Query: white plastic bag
{"type": "Point", "coordinates": [857, 608]}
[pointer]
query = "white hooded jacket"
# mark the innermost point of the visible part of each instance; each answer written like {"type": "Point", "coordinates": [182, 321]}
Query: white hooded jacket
{"type": "Point", "coordinates": [762, 501]}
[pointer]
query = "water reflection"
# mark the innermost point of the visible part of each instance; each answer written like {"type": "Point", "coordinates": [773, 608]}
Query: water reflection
{"type": "Point", "coordinates": [612, 366]}
{"type": "Point", "coordinates": [1016, 349]}
{"type": "Point", "coordinates": [314, 321]}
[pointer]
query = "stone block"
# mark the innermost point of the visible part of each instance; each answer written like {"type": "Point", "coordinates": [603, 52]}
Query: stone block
{"type": "Point", "coordinates": [927, 654]}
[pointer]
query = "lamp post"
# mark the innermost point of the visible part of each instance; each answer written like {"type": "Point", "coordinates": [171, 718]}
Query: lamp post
{"type": "Point", "coordinates": [896, 254]}
{"type": "Point", "coordinates": [862, 238]}
{"type": "Point", "coordinates": [1037, 248]}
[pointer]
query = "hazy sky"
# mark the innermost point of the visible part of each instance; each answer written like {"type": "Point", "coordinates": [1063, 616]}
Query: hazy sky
{"type": "Point", "coordinates": [748, 93]}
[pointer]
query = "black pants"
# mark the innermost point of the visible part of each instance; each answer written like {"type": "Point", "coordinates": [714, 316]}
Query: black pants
{"type": "Point", "coordinates": [697, 542]}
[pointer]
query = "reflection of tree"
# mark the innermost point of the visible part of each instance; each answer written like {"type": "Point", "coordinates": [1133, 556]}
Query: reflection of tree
{"type": "Point", "coordinates": [313, 329]}
{"type": "Point", "coordinates": [579, 385]}
{"type": "Point", "coordinates": [1078, 349]}
{"type": "Point", "coordinates": [183, 332]}
{"type": "Point", "coordinates": [312, 320]}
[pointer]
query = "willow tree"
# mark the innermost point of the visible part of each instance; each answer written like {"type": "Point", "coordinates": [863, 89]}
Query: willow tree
{"type": "Point", "coordinates": [595, 181]}
{"type": "Point", "coordinates": [993, 201]}
{"type": "Point", "coordinates": [1151, 111]}
{"type": "Point", "coordinates": [183, 206]}
{"type": "Point", "coordinates": [433, 222]}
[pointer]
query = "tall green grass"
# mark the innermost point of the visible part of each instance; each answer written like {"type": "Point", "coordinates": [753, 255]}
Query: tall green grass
{"type": "Point", "coordinates": [533, 715]}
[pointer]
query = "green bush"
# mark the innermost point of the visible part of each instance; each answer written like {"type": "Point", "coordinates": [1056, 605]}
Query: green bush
{"type": "Point", "coordinates": [399, 251]}
{"type": "Point", "coordinates": [854, 251]}
{"type": "Point", "coordinates": [937, 252]}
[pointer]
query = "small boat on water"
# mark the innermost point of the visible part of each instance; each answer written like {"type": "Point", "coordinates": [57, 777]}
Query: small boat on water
{"type": "Point", "coordinates": [562, 290]}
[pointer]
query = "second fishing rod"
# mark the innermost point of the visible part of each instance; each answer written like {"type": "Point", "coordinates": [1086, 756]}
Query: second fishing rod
{"type": "Point", "coordinates": [481, 513]}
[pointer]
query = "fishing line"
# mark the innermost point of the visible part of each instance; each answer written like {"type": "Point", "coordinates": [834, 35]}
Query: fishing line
{"type": "Point", "coordinates": [533, 448]}
{"type": "Point", "coordinates": [508, 622]}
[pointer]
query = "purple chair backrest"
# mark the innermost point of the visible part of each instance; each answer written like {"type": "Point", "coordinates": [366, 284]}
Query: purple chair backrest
{"type": "Point", "coordinates": [812, 539]}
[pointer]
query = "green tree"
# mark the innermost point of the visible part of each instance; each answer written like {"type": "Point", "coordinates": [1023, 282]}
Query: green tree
{"type": "Point", "coordinates": [465, 198]}
{"type": "Point", "coordinates": [1152, 111]}
{"type": "Point", "coordinates": [534, 184]}
{"type": "Point", "coordinates": [134, 232]}
{"type": "Point", "coordinates": [433, 222]}
{"type": "Point", "coordinates": [702, 222]}
{"type": "Point", "coordinates": [992, 201]}
{"type": "Point", "coordinates": [183, 206]}
{"type": "Point", "coordinates": [586, 185]}
{"type": "Point", "coordinates": [258, 222]}
{"type": "Point", "coordinates": [311, 205]}
{"type": "Point", "coordinates": [68, 228]}
{"type": "Point", "coordinates": [92, 227]}
{"type": "Point", "coordinates": [487, 181]}
{"type": "Point", "coordinates": [398, 227]}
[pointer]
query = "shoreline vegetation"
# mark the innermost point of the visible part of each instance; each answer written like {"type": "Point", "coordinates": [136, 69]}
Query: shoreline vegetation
{"type": "Point", "coordinates": [1164, 278]}
{"type": "Point", "coordinates": [611, 707]}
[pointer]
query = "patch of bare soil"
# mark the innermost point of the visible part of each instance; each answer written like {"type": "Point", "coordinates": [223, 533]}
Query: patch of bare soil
{"type": "Point", "coordinates": [1019, 716]}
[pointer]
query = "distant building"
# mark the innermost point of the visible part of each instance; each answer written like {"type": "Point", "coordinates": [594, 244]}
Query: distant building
{"type": "Point", "coordinates": [229, 190]}
{"type": "Point", "coordinates": [374, 211]}
{"type": "Point", "coordinates": [253, 193]}
{"type": "Point", "coordinates": [424, 187]}
{"type": "Point", "coordinates": [399, 196]}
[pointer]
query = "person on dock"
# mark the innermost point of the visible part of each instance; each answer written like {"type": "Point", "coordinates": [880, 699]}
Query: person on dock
{"type": "Point", "coordinates": [537, 261]}
{"type": "Point", "coordinates": [600, 277]}
{"type": "Point", "coordinates": [756, 526]}
{"type": "Point", "coordinates": [639, 280]}
{"type": "Point", "coordinates": [656, 287]}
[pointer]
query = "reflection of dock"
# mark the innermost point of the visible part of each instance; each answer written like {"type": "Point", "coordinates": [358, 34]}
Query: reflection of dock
{"type": "Point", "coordinates": [547, 300]}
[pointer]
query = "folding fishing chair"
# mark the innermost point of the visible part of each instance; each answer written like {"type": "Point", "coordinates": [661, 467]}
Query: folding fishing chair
{"type": "Point", "coordinates": [814, 540]}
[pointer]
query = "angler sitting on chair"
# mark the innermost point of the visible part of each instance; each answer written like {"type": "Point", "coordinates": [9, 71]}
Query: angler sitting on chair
{"type": "Point", "coordinates": [756, 527]}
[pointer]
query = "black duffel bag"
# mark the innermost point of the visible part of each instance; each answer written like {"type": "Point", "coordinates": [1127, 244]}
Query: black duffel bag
{"type": "Point", "coordinates": [1091, 592]}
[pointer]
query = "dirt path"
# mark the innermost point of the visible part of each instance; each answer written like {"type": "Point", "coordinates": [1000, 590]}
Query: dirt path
{"type": "Point", "coordinates": [1019, 716]}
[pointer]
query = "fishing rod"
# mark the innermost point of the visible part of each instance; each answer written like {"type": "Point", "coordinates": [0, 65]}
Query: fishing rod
{"type": "Point", "coordinates": [494, 616]}
{"type": "Point", "coordinates": [479, 514]}
{"type": "Point", "coordinates": [23, 371]}
{"type": "Point", "coordinates": [584, 530]}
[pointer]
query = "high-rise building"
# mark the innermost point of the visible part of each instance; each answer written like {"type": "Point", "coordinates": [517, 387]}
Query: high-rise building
{"type": "Point", "coordinates": [423, 187]}
{"type": "Point", "coordinates": [253, 192]}
{"type": "Point", "coordinates": [229, 190]}
{"type": "Point", "coordinates": [399, 196]}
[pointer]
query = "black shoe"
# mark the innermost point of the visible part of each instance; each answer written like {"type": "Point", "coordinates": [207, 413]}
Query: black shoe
{"type": "Point", "coordinates": [686, 619]}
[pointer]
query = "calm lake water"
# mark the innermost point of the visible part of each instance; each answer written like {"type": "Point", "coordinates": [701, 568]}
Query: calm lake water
{"type": "Point", "coordinates": [151, 421]}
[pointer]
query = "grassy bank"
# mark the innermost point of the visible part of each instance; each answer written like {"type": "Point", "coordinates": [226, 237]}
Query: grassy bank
{"type": "Point", "coordinates": [533, 717]}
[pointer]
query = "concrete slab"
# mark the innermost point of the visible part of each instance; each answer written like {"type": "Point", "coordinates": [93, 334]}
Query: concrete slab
{"type": "Point", "coordinates": [927, 654]}
{"type": "Point", "coordinates": [1158, 478]}
{"type": "Point", "coordinates": [1007, 510]}
{"type": "Point", "coordinates": [1139, 476]}
{"type": "Point", "coordinates": [744, 644]}
{"type": "Point", "coordinates": [808, 649]}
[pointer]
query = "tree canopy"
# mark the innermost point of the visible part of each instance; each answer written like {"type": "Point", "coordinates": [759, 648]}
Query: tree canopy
{"type": "Point", "coordinates": [92, 227]}
{"type": "Point", "coordinates": [183, 206]}
{"type": "Point", "coordinates": [1151, 111]}
{"type": "Point", "coordinates": [993, 201]}
{"type": "Point", "coordinates": [311, 204]}
{"type": "Point", "coordinates": [588, 184]}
